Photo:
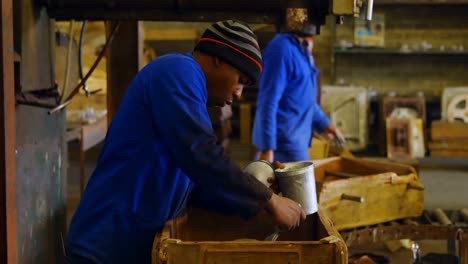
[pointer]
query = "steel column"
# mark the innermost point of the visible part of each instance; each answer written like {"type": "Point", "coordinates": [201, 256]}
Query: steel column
{"type": "Point", "coordinates": [8, 214]}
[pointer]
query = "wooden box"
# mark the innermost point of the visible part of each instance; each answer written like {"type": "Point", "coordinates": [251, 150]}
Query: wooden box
{"type": "Point", "coordinates": [405, 138]}
{"type": "Point", "coordinates": [318, 149]}
{"type": "Point", "coordinates": [201, 236]}
{"type": "Point", "coordinates": [357, 192]}
{"type": "Point", "coordinates": [449, 139]}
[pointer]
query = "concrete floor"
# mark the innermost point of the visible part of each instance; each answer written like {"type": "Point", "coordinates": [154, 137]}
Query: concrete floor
{"type": "Point", "coordinates": [445, 181]}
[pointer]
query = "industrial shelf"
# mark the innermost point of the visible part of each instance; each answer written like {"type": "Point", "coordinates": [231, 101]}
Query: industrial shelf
{"type": "Point", "coordinates": [384, 51]}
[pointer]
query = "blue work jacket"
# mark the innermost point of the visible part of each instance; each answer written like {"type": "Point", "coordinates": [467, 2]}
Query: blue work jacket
{"type": "Point", "coordinates": [159, 147]}
{"type": "Point", "coordinates": [287, 110]}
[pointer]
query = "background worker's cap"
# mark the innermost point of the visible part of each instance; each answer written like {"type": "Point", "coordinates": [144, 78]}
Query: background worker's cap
{"type": "Point", "coordinates": [233, 42]}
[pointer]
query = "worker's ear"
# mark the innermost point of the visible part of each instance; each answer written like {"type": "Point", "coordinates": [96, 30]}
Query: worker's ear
{"type": "Point", "coordinates": [217, 62]}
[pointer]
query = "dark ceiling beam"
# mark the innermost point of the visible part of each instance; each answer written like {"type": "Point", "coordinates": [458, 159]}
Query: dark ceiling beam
{"type": "Point", "coordinates": [165, 15]}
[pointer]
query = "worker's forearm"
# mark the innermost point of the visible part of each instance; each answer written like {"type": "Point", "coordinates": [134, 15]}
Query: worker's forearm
{"type": "Point", "coordinates": [267, 155]}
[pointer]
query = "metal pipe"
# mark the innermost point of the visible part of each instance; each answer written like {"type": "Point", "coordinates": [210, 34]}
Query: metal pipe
{"type": "Point", "coordinates": [464, 214]}
{"type": "Point", "coordinates": [415, 187]}
{"type": "Point", "coordinates": [353, 198]}
{"type": "Point", "coordinates": [370, 6]}
{"type": "Point", "coordinates": [441, 217]}
{"type": "Point", "coordinates": [55, 109]}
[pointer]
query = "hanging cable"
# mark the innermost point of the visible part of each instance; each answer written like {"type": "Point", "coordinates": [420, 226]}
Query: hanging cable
{"type": "Point", "coordinates": [68, 57]}
{"type": "Point", "coordinates": [91, 70]}
{"type": "Point", "coordinates": [80, 56]}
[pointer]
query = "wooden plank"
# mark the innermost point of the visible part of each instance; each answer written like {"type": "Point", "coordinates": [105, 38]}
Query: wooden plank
{"type": "Point", "coordinates": [318, 149]}
{"type": "Point", "coordinates": [8, 210]}
{"type": "Point", "coordinates": [449, 145]}
{"type": "Point", "coordinates": [124, 60]}
{"type": "Point", "coordinates": [449, 153]}
{"type": "Point", "coordinates": [447, 130]}
{"type": "Point", "coordinates": [93, 133]}
{"type": "Point", "coordinates": [73, 134]}
{"type": "Point", "coordinates": [245, 123]}
{"type": "Point", "coordinates": [171, 34]}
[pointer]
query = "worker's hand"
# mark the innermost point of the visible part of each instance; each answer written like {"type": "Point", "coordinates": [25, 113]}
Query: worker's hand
{"type": "Point", "coordinates": [287, 213]}
{"type": "Point", "coordinates": [274, 184]}
{"type": "Point", "coordinates": [333, 133]}
{"type": "Point", "coordinates": [267, 155]}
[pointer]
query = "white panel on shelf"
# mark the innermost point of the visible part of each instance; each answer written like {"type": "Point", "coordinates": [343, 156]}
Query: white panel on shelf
{"type": "Point", "coordinates": [347, 107]}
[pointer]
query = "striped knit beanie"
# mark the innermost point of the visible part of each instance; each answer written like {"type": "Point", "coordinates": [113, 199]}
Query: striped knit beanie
{"type": "Point", "coordinates": [233, 42]}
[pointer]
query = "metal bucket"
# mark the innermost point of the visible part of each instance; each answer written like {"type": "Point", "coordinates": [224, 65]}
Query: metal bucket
{"type": "Point", "coordinates": [260, 169]}
{"type": "Point", "coordinates": [297, 182]}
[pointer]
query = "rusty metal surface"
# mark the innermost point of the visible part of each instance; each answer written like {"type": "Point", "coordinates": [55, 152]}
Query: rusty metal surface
{"type": "Point", "coordinates": [36, 47]}
{"type": "Point", "coordinates": [426, 227]}
{"type": "Point", "coordinates": [385, 233]}
{"type": "Point", "coordinates": [8, 216]}
{"type": "Point", "coordinates": [41, 153]}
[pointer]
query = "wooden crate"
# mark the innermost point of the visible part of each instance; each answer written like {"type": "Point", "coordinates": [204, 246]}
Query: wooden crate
{"type": "Point", "coordinates": [449, 139]}
{"type": "Point", "coordinates": [201, 236]}
{"type": "Point", "coordinates": [405, 138]}
{"type": "Point", "coordinates": [414, 105]}
{"type": "Point", "coordinates": [318, 149]}
{"type": "Point", "coordinates": [418, 104]}
{"type": "Point", "coordinates": [389, 191]}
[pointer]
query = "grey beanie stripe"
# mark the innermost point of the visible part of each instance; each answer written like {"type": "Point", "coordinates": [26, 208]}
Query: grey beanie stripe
{"type": "Point", "coordinates": [241, 43]}
{"type": "Point", "coordinates": [235, 43]}
{"type": "Point", "coordinates": [240, 27]}
{"type": "Point", "coordinates": [239, 30]}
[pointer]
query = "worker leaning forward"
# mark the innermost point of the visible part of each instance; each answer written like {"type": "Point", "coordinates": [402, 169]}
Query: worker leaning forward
{"type": "Point", "coordinates": [160, 152]}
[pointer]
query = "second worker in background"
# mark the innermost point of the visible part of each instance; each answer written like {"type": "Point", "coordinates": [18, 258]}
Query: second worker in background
{"type": "Point", "coordinates": [287, 109]}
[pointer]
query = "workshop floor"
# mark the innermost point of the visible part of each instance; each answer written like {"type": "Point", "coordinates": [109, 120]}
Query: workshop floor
{"type": "Point", "coordinates": [445, 181]}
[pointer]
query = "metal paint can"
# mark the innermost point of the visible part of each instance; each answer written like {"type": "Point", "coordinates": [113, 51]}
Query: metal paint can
{"type": "Point", "coordinates": [297, 182]}
{"type": "Point", "coordinates": [262, 170]}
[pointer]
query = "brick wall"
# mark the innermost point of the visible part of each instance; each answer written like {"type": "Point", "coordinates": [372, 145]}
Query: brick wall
{"type": "Point", "coordinates": [439, 25]}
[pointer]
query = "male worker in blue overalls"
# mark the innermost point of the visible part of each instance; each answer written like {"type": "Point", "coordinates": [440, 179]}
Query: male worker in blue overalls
{"type": "Point", "coordinates": [160, 148]}
{"type": "Point", "coordinates": [287, 111]}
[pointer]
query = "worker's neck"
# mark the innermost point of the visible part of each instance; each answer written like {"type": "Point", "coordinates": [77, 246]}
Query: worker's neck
{"type": "Point", "coordinates": [205, 61]}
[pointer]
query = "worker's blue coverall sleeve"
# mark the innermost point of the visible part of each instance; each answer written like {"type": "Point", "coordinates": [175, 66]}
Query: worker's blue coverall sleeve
{"type": "Point", "coordinates": [159, 147]}
{"type": "Point", "coordinates": [273, 84]}
{"type": "Point", "coordinates": [321, 121]}
{"type": "Point", "coordinates": [181, 116]}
